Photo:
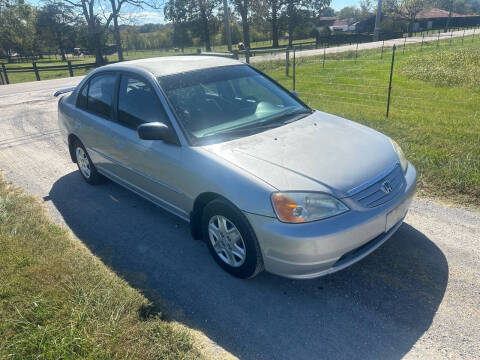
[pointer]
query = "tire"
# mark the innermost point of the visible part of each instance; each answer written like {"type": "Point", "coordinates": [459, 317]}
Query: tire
{"type": "Point", "coordinates": [226, 242]}
{"type": "Point", "coordinates": [85, 166]}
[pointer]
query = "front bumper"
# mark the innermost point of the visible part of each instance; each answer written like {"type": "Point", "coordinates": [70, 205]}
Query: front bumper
{"type": "Point", "coordinates": [304, 251]}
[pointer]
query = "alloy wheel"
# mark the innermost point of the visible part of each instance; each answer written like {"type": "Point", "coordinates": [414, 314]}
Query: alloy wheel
{"type": "Point", "coordinates": [83, 162]}
{"type": "Point", "coordinates": [226, 241]}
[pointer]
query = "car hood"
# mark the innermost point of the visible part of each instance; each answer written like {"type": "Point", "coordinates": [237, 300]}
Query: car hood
{"type": "Point", "coordinates": [321, 152]}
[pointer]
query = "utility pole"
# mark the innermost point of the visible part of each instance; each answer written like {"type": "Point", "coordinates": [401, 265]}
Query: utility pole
{"type": "Point", "coordinates": [378, 20]}
{"type": "Point", "coordinates": [226, 19]}
{"type": "Point", "coordinates": [447, 23]}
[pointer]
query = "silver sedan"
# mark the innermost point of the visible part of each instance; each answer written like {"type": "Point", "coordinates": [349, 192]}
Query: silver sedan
{"type": "Point", "coordinates": [266, 181]}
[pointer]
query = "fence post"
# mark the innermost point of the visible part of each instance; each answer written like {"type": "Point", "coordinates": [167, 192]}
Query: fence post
{"type": "Point", "coordinates": [473, 34]}
{"type": "Point", "coordinates": [294, 65]}
{"type": "Point", "coordinates": [463, 37]}
{"type": "Point", "coordinates": [404, 43]}
{"type": "Point", "coordinates": [390, 82]}
{"type": "Point", "coordinates": [356, 53]}
{"type": "Point", "coordinates": [35, 69]}
{"type": "Point", "coordinates": [323, 64]}
{"type": "Point", "coordinates": [70, 70]}
{"type": "Point", "coordinates": [383, 44]}
{"type": "Point", "coordinates": [438, 39]}
{"type": "Point", "coordinates": [451, 36]}
{"type": "Point", "coordinates": [287, 62]}
{"type": "Point", "coordinates": [5, 73]}
{"type": "Point", "coordinates": [423, 38]}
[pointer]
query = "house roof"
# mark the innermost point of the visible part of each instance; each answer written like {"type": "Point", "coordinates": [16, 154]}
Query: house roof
{"type": "Point", "coordinates": [327, 18]}
{"type": "Point", "coordinates": [343, 22]}
{"type": "Point", "coordinates": [435, 13]}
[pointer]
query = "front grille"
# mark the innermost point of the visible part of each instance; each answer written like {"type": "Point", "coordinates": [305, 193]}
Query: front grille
{"type": "Point", "coordinates": [373, 194]}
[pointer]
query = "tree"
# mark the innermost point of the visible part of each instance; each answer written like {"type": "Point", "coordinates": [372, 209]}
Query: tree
{"type": "Point", "coordinates": [95, 28]}
{"type": "Point", "coordinates": [367, 9]}
{"type": "Point", "coordinates": [17, 28]}
{"type": "Point", "coordinates": [243, 8]}
{"type": "Point", "coordinates": [328, 12]}
{"type": "Point", "coordinates": [201, 15]}
{"type": "Point", "coordinates": [273, 8]}
{"type": "Point", "coordinates": [405, 9]}
{"type": "Point", "coordinates": [459, 6]}
{"type": "Point", "coordinates": [348, 12]}
{"type": "Point", "coordinates": [352, 12]}
{"type": "Point", "coordinates": [302, 11]}
{"type": "Point", "coordinates": [176, 11]}
{"type": "Point", "coordinates": [55, 25]}
{"type": "Point", "coordinates": [116, 7]}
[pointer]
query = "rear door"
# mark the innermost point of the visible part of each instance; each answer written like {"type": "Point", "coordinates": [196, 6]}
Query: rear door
{"type": "Point", "coordinates": [96, 104]}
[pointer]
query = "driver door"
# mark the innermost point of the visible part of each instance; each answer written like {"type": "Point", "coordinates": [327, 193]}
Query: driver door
{"type": "Point", "coordinates": [148, 167]}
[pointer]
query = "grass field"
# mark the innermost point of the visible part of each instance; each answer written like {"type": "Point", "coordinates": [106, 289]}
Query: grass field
{"type": "Point", "coordinates": [58, 301]}
{"type": "Point", "coordinates": [437, 126]}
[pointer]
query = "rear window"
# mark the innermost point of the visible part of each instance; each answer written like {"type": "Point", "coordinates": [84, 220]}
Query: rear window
{"type": "Point", "coordinates": [100, 95]}
{"type": "Point", "coordinates": [97, 96]}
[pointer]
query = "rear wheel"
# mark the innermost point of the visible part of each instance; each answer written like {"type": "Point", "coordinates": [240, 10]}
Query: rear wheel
{"type": "Point", "coordinates": [231, 239]}
{"type": "Point", "coordinates": [85, 165]}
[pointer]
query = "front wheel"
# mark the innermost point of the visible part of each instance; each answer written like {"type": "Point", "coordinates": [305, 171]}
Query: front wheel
{"type": "Point", "coordinates": [231, 239]}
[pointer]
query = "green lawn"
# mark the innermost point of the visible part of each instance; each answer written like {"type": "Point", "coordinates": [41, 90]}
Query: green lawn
{"type": "Point", "coordinates": [58, 301]}
{"type": "Point", "coordinates": [437, 126]}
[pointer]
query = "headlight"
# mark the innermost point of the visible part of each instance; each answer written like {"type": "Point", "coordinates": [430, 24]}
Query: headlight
{"type": "Point", "coordinates": [299, 207]}
{"type": "Point", "coordinates": [401, 155]}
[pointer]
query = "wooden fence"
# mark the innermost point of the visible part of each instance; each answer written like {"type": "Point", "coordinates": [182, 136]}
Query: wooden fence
{"type": "Point", "coordinates": [36, 69]}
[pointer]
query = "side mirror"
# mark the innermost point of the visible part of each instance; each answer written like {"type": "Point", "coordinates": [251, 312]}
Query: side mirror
{"type": "Point", "coordinates": [156, 131]}
{"type": "Point", "coordinates": [294, 93]}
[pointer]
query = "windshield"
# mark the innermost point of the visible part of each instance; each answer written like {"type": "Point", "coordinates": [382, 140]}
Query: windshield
{"type": "Point", "coordinates": [228, 102]}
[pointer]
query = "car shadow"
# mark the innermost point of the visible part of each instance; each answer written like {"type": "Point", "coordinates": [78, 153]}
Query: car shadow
{"type": "Point", "coordinates": [377, 308]}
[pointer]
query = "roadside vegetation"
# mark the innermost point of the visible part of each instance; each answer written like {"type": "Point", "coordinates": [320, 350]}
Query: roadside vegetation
{"type": "Point", "coordinates": [58, 301]}
{"type": "Point", "coordinates": [449, 67]}
{"type": "Point", "coordinates": [436, 122]}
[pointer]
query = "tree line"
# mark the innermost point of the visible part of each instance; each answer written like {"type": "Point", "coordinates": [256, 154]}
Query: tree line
{"type": "Point", "coordinates": [61, 25]}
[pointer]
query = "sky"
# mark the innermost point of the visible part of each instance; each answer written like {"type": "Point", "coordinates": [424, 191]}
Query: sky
{"type": "Point", "coordinates": [150, 16]}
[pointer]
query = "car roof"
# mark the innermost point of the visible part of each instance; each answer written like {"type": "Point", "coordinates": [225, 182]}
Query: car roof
{"type": "Point", "coordinates": [169, 65]}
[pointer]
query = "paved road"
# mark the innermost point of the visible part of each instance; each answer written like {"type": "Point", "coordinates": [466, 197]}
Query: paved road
{"type": "Point", "coordinates": [416, 296]}
{"type": "Point", "coordinates": [369, 45]}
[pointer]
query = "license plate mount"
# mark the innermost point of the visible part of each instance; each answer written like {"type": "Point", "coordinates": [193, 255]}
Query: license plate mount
{"type": "Point", "coordinates": [394, 216]}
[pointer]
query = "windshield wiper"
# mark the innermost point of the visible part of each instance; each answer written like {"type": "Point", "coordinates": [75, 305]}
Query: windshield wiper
{"type": "Point", "coordinates": [245, 129]}
{"type": "Point", "coordinates": [298, 114]}
{"type": "Point", "coordinates": [266, 124]}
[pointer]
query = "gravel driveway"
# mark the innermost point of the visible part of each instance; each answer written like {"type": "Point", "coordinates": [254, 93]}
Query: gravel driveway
{"type": "Point", "coordinates": [418, 296]}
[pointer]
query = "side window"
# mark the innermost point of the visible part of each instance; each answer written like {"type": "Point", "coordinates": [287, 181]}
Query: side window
{"type": "Point", "coordinates": [138, 103]}
{"type": "Point", "coordinates": [100, 95]}
{"type": "Point", "coordinates": [82, 98]}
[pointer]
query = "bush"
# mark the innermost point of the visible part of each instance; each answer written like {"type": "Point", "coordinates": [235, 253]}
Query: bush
{"type": "Point", "coordinates": [458, 67]}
